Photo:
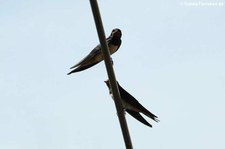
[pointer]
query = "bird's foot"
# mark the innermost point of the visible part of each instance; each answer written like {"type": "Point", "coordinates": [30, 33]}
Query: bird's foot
{"type": "Point", "coordinates": [111, 61]}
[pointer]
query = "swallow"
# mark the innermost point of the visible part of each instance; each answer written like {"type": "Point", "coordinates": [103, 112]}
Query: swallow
{"type": "Point", "coordinates": [96, 56]}
{"type": "Point", "coordinates": [132, 106]}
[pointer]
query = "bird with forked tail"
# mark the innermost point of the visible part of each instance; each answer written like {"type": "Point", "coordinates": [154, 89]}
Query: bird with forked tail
{"type": "Point", "coordinates": [132, 106]}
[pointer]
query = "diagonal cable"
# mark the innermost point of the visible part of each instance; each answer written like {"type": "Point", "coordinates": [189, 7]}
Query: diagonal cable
{"type": "Point", "coordinates": [111, 74]}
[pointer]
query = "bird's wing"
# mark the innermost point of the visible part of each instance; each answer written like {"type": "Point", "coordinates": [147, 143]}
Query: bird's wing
{"type": "Point", "coordinates": [82, 68]}
{"type": "Point", "coordinates": [93, 53]}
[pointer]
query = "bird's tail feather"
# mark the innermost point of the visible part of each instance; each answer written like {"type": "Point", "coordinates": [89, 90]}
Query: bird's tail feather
{"type": "Point", "coordinates": [138, 117]}
{"type": "Point", "coordinates": [150, 115]}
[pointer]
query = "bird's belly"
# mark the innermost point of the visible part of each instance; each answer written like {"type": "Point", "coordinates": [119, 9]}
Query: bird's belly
{"type": "Point", "coordinates": [113, 49]}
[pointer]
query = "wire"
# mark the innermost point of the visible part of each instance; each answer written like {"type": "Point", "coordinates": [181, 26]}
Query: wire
{"type": "Point", "coordinates": [111, 74]}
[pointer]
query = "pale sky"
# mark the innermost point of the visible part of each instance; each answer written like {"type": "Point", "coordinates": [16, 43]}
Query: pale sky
{"type": "Point", "coordinates": [172, 59]}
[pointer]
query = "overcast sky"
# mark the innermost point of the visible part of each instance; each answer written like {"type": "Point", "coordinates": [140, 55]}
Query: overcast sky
{"type": "Point", "coordinates": [172, 59]}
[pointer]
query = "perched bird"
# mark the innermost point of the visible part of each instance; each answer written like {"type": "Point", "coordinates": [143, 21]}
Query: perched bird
{"type": "Point", "coordinates": [96, 56]}
{"type": "Point", "coordinates": [132, 106]}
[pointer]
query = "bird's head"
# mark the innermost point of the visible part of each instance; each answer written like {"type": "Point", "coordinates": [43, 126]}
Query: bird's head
{"type": "Point", "coordinates": [116, 33]}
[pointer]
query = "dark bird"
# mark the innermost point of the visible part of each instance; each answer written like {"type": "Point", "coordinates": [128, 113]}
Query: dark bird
{"type": "Point", "coordinates": [96, 56]}
{"type": "Point", "coordinates": [132, 106]}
